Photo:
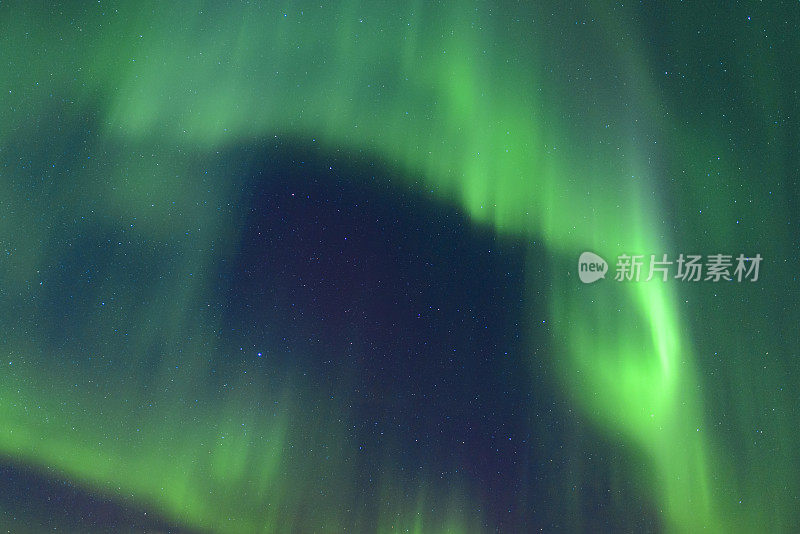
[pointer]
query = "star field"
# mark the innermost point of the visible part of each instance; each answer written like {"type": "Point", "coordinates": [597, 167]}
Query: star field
{"type": "Point", "coordinates": [296, 267]}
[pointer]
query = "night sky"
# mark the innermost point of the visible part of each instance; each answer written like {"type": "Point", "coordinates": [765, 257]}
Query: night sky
{"type": "Point", "coordinates": [291, 267]}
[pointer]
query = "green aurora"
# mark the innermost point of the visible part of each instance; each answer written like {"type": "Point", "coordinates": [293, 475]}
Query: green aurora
{"type": "Point", "coordinates": [603, 127]}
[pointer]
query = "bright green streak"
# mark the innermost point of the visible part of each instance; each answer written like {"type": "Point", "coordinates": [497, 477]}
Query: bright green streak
{"type": "Point", "coordinates": [530, 123]}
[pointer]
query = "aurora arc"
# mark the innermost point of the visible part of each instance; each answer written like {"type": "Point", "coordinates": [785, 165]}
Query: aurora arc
{"type": "Point", "coordinates": [544, 123]}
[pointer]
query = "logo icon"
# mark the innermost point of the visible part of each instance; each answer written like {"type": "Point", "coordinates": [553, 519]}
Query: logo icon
{"type": "Point", "coordinates": [591, 267]}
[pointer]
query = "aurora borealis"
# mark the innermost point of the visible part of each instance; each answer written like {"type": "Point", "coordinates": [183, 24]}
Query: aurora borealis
{"type": "Point", "coordinates": [291, 267]}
